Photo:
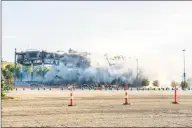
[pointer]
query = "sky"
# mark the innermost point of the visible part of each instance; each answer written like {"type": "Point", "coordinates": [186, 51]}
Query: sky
{"type": "Point", "coordinates": [155, 32]}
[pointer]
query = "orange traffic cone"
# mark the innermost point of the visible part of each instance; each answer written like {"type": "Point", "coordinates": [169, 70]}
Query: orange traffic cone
{"type": "Point", "coordinates": [126, 96]}
{"type": "Point", "coordinates": [175, 97]}
{"type": "Point", "coordinates": [71, 97]}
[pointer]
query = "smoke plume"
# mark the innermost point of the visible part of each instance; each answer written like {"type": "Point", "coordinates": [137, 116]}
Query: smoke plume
{"type": "Point", "coordinates": [78, 69]}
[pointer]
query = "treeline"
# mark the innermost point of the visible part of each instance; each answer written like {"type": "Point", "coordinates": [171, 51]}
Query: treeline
{"type": "Point", "coordinates": [7, 74]}
{"type": "Point", "coordinates": [183, 85]}
{"type": "Point", "coordinates": [8, 71]}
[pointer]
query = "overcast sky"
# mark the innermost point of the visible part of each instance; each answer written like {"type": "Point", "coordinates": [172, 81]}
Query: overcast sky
{"type": "Point", "coordinates": [155, 32]}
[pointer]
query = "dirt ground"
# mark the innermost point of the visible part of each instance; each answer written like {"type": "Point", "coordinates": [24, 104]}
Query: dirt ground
{"type": "Point", "coordinates": [45, 108]}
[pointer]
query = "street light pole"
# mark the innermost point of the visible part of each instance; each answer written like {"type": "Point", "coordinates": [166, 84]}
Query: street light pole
{"type": "Point", "coordinates": [137, 69]}
{"type": "Point", "coordinates": [15, 63]}
{"type": "Point", "coordinates": [184, 74]}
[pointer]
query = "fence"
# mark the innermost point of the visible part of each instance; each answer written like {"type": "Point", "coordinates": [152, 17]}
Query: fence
{"type": "Point", "coordinates": [100, 89]}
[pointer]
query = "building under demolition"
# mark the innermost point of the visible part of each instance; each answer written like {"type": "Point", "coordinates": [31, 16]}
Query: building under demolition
{"type": "Point", "coordinates": [40, 58]}
{"type": "Point", "coordinates": [70, 67]}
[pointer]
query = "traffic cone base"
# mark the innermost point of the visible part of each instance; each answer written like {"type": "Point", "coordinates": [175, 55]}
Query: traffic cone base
{"type": "Point", "coordinates": [175, 103]}
{"type": "Point", "coordinates": [71, 105]}
{"type": "Point", "coordinates": [126, 103]}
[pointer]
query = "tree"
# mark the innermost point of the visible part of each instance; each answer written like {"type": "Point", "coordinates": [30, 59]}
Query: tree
{"type": "Point", "coordinates": [46, 69]}
{"type": "Point", "coordinates": [7, 75]}
{"type": "Point", "coordinates": [17, 71]}
{"type": "Point", "coordinates": [27, 69]}
{"type": "Point", "coordinates": [8, 72]}
{"type": "Point", "coordinates": [184, 85]}
{"type": "Point", "coordinates": [174, 84]}
{"type": "Point", "coordinates": [2, 85]}
{"type": "Point", "coordinates": [156, 83]}
{"type": "Point", "coordinates": [10, 67]}
{"type": "Point", "coordinates": [38, 70]}
{"type": "Point", "coordinates": [145, 82]}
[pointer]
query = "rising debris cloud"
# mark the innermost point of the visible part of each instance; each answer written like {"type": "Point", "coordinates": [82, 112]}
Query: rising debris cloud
{"type": "Point", "coordinates": [82, 68]}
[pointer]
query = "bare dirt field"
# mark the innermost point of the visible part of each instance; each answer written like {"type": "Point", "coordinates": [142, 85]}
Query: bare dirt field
{"type": "Point", "coordinates": [45, 108]}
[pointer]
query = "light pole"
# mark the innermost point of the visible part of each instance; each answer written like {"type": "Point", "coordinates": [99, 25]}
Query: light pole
{"type": "Point", "coordinates": [15, 63]}
{"type": "Point", "coordinates": [137, 69]}
{"type": "Point", "coordinates": [137, 66]}
{"type": "Point", "coordinates": [184, 75]}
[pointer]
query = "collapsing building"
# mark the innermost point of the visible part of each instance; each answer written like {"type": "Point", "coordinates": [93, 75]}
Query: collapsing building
{"type": "Point", "coordinates": [72, 68]}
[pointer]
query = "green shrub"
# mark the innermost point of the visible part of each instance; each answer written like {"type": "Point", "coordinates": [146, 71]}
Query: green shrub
{"type": "Point", "coordinates": [173, 84]}
{"type": "Point", "coordinates": [145, 82]}
{"type": "Point", "coordinates": [8, 87]}
{"type": "Point", "coordinates": [184, 85]}
{"type": "Point", "coordinates": [2, 93]}
{"type": "Point", "coordinates": [156, 83]}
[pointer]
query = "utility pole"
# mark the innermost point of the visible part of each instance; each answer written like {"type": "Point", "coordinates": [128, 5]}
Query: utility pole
{"type": "Point", "coordinates": [137, 69]}
{"type": "Point", "coordinates": [15, 66]}
{"type": "Point", "coordinates": [184, 74]}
